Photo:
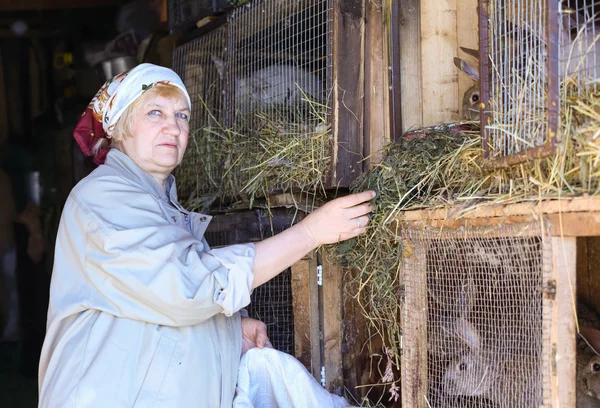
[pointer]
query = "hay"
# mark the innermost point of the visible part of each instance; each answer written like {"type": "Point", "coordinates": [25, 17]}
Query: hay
{"type": "Point", "coordinates": [258, 155]}
{"type": "Point", "coordinates": [444, 169]}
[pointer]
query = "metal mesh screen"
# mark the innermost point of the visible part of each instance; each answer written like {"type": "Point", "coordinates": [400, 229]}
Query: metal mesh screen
{"type": "Point", "coordinates": [193, 62]}
{"type": "Point", "coordinates": [268, 67]}
{"type": "Point", "coordinates": [279, 57]}
{"type": "Point", "coordinates": [580, 48]}
{"type": "Point", "coordinates": [271, 303]}
{"type": "Point", "coordinates": [517, 57]}
{"type": "Point", "coordinates": [474, 307]}
{"type": "Point", "coordinates": [531, 50]}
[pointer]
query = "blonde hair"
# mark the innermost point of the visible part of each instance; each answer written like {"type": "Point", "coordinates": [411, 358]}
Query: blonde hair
{"type": "Point", "coordinates": [122, 128]}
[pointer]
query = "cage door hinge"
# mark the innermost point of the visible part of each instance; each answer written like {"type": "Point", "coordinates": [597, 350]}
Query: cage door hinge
{"type": "Point", "coordinates": [323, 380]}
{"type": "Point", "coordinates": [320, 275]}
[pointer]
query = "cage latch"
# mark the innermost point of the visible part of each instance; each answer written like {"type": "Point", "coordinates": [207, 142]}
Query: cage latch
{"type": "Point", "coordinates": [550, 289]}
{"type": "Point", "coordinates": [323, 380]}
{"type": "Point", "coordinates": [320, 275]}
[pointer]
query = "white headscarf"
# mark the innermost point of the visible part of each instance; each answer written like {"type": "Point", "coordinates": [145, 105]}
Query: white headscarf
{"type": "Point", "coordinates": [121, 91]}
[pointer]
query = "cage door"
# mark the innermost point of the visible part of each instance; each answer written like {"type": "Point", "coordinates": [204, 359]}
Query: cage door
{"type": "Point", "coordinates": [519, 71]}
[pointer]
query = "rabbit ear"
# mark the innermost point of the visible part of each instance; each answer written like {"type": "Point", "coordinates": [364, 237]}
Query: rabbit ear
{"type": "Point", "coordinates": [470, 51]}
{"type": "Point", "coordinates": [466, 297]}
{"type": "Point", "coordinates": [219, 64]}
{"type": "Point", "coordinates": [467, 68]}
{"type": "Point", "coordinates": [468, 333]}
{"type": "Point", "coordinates": [591, 337]}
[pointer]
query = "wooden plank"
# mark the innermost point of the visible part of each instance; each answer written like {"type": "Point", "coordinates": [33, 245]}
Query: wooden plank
{"type": "Point", "coordinates": [583, 288]}
{"type": "Point", "coordinates": [23, 5]}
{"type": "Point", "coordinates": [356, 357]}
{"type": "Point", "coordinates": [499, 210]}
{"type": "Point", "coordinates": [439, 43]}
{"type": "Point", "coordinates": [411, 72]}
{"type": "Point", "coordinates": [306, 318]}
{"type": "Point", "coordinates": [563, 331]}
{"type": "Point", "coordinates": [414, 327]}
{"type": "Point", "coordinates": [332, 325]}
{"type": "Point", "coordinates": [348, 91]}
{"type": "Point", "coordinates": [573, 224]}
{"type": "Point", "coordinates": [377, 107]}
{"type": "Point", "coordinates": [467, 30]}
{"type": "Point", "coordinates": [593, 272]}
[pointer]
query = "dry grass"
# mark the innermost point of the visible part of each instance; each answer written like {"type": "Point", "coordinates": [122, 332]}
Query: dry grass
{"type": "Point", "coordinates": [256, 156]}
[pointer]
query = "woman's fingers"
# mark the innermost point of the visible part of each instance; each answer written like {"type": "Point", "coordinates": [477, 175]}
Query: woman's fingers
{"type": "Point", "coordinates": [353, 200]}
{"type": "Point", "coordinates": [360, 223]}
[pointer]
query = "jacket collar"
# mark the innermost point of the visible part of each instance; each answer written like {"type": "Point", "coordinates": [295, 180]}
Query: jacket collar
{"type": "Point", "coordinates": [123, 163]}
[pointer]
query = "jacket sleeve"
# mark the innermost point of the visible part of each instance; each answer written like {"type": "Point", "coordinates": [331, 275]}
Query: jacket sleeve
{"type": "Point", "coordinates": [141, 267]}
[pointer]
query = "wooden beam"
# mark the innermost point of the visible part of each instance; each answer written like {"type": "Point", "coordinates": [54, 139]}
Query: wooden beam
{"type": "Point", "coordinates": [414, 368]}
{"type": "Point", "coordinates": [410, 59]}
{"type": "Point", "coordinates": [306, 314]}
{"type": "Point", "coordinates": [23, 5]}
{"type": "Point", "coordinates": [377, 106]}
{"type": "Point", "coordinates": [467, 29]}
{"type": "Point", "coordinates": [438, 49]}
{"type": "Point", "coordinates": [573, 224]}
{"type": "Point", "coordinates": [500, 210]}
{"type": "Point", "coordinates": [588, 273]}
{"type": "Point", "coordinates": [332, 325]}
{"type": "Point", "coordinates": [348, 91]}
{"type": "Point", "coordinates": [562, 347]}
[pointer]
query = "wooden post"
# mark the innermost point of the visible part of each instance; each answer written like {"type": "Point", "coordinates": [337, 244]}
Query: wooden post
{"type": "Point", "coordinates": [588, 273]}
{"type": "Point", "coordinates": [561, 349]}
{"type": "Point", "coordinates": [332, 324]}
{"type": "Point", "coordinates": [438, 48]}
{"type": "Point", "coordinates": [348, 91]}
{"type": "Point", "coordinates": [377, 107]}
{"type": "Point", "coordinates": [306, 315]}
{"type": "Point", "coordinates": [414, 323]}
{"type": "Point", "coordinates": [411, 72]}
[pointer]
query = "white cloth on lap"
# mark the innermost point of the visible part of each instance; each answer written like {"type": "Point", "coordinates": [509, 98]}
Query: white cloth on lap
{"type": "Point", "coordinates": [272, 379]}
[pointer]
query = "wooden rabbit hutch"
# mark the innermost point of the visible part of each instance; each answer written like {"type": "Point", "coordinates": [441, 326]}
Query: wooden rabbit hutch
{"type": "Point", "coordinates": [279, 95]}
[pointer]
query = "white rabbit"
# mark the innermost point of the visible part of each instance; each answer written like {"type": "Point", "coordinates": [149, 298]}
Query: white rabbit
{"type": "Point", "coordinates": [273, 85]}
{"type": "Point", "coordinates": [478, 372]}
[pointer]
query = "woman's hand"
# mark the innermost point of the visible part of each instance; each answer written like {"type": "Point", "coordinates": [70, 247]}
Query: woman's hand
{"type": "Point", "coordinates": [340, 219]}
{"type": "Point", "coordinates": [254, 334]}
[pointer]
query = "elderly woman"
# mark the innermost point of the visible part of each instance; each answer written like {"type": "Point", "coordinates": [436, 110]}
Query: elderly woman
{"type": "Point", "coordinates": [142, 312]}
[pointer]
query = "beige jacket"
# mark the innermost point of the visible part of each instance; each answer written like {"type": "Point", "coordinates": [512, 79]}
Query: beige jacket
{"type": "Point", "coordinates": [142, 312]}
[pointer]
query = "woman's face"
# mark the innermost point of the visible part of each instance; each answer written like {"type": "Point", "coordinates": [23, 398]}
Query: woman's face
{"type": "Point", "coordinates": [160, 131]}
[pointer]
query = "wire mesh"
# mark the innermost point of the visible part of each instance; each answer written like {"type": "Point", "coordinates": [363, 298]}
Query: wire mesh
{"type": "Point", "coordinates": [580, 48]}
{"type": "Point", "coordinates": [193, 61]}
{"type": "Point", "coordinates": [279, 57]}
{"type": "Point", "coordinates": [479, 295]}
{"type": "Point", "coordinates": [272, 302]}
{"type": "Point", "coordinates": [268, 69]}
{"type": "Point", "coordinates": [517, 54]}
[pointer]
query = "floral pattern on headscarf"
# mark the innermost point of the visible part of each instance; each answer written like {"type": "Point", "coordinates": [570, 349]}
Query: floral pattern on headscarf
{"type": "Point", "coordinates": [114, 97]}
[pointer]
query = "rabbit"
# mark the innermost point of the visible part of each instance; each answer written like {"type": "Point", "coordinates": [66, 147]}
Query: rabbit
{"type": "Point", "coordinates": [478, 372]}
{"type": "Point", "coordinates": [588, 370]}
{"type": "Point", "coordinates": [275, 84]}
{"type": "Point", "coordinates": [471, 98]}
{"type": "Point", "coordinates": [588, 360]}
{"type": "Point", "coordinates": [442, 338]}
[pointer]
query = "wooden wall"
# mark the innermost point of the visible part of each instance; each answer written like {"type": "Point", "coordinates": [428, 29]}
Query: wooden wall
{"type": "Point", "coordinates": [431, 33]}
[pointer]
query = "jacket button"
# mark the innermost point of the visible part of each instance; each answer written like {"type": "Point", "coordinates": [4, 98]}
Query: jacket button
{"type": "Point", "coordinates": [202, 219]}
{"type": "Point", "coordinates": [174, 218]}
